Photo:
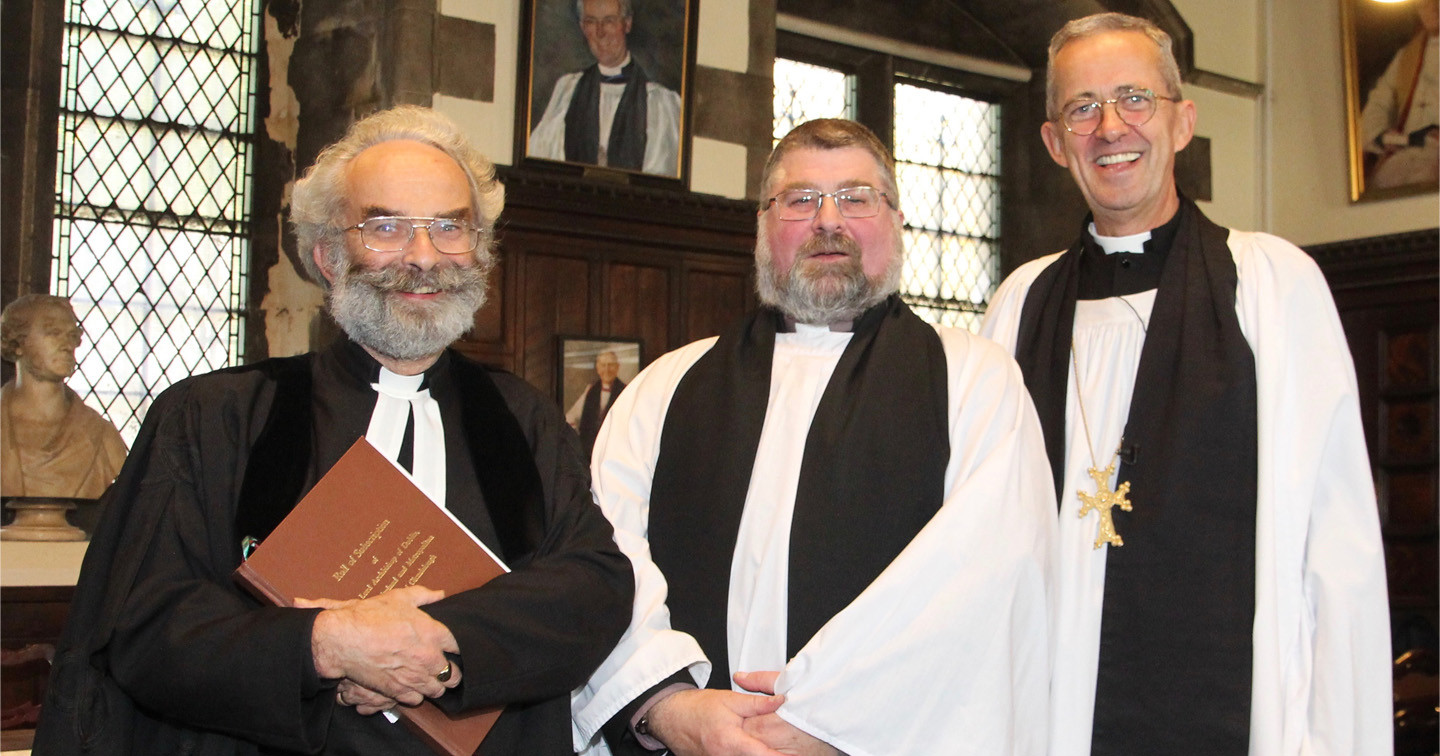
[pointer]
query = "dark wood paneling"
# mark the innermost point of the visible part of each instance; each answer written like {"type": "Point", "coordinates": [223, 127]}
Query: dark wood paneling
{"type": "Point", "coordinates": [1387, 290]}
{"type": "Point", "coordinates": [31, 619]}
{"type": "Point", "coordinates": [30, 94]}
{"type": "Point", "coordinates": [491, 320]}
{"type": "Point", "coordinates": [556, 300]}
{"type": "Point", "coordinates": [636, 305]}
{"type": "Point", "coordinates": [587, 258]}
{"type": "Point", "coordinates": [712, 299]}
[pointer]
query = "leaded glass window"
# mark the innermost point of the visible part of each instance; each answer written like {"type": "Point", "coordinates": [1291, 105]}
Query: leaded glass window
{"type": "Point", "coordinates": [947, 160]}
{"type": "Point", "coordinates": [804, 92]}
{"type": "Point", "coordinates": [947, 153]}
{"type": "Point", "coordinates": [152, 209]}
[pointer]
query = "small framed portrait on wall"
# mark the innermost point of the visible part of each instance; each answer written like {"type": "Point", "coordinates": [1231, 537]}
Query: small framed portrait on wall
{"type": "Point", "coordinates": [606, 83]}
{"type": "Point", "coordinates": [592, 371]}
{"type": "Point", "coordinates": [1392, 97]}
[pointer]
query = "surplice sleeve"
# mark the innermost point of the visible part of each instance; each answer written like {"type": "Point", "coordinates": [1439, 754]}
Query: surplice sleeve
{"type": "Point", "coordinates": [947, 651]}
{"type": "Point", "coordinates": [624, 463]}
{"type": "Point", "coordinates": [1322, 627]}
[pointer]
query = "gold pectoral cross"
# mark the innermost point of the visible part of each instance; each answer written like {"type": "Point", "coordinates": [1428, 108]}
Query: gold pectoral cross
{"type": "Point", "coordinates": [1102, 502]}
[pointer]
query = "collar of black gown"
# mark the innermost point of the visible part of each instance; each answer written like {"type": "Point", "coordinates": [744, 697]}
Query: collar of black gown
{"type": "Point", "coordinates": [361, 366]}
{"type": "Point", "coordinates": [787, 325]}
{"type": "Point", "coordinates": [1109, 275]}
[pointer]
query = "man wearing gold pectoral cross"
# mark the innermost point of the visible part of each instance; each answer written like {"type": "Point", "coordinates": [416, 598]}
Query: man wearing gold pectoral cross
{"type": "Point", "coordinates": [1220, 581]}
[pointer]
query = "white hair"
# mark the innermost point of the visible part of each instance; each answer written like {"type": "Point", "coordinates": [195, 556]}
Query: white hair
{"type": "Point", "coordinates": [319, 202]}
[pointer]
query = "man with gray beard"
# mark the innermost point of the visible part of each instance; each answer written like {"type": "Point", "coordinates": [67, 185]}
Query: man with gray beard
{"type": "Point", "coordinates": [164, 654]}
{"type": "Point", "coordinates": [832, 504]}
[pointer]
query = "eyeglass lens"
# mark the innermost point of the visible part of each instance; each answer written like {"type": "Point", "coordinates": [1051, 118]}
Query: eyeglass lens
{"type": "Point", "coordinates": [804, 204]}
{"type": "Point", "coordinates": [450, 236]}
{"type": "Point", "coordinates": [1134, 108]}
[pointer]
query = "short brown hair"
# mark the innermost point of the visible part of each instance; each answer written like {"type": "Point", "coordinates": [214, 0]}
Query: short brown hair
{"type": "Point", "coordinates": [832, 134]}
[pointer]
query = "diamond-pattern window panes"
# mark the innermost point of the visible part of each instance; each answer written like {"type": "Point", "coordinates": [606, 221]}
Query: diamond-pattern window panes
{"type": "Point", "coordinates": [947, 162]}
{"type": "Point", "coordinates": [152, 213]}
{"type": "Point", "coordinates": [804, 92]}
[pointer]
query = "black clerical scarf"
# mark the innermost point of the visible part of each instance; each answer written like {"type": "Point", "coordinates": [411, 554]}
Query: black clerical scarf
{"type": "Point", "coordinates": [871, 477]}
{"type": "Point", "coordinates": [283, 455]}
{"type": "Point", "coordinates": [1176, 628]}
{"type": "Point", "coordinates": [626, 148]}
{"type": "Point", "coordinates": [592, 414]}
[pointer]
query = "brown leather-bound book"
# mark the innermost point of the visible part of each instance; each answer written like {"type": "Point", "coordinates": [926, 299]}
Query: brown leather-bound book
{"type": "Point", "coordinates": [364, 529]}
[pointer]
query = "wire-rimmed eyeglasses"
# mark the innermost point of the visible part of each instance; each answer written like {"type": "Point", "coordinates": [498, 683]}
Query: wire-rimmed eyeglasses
{"type": "Point", "coordinates": [852, 202]}
{"type": "Point", "coordinates": [451, 236]}
{"type": "Point", "coordinates": [1136, 107]}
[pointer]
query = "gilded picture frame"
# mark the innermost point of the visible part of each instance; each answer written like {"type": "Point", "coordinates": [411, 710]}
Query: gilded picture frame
{"type": "Point", "coordinates": [563, 68]}
{"type": "Point", "coordinates": [1391, 128]}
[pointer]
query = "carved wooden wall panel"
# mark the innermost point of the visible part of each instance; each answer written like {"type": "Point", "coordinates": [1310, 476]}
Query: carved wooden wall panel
{"type": "Point", "coordinates": [492, 319]}
{"type": "Point", "coordinates": [636, 303]}
{"type": "Point", "coordinates": [584, 259]}
{"type": "Point", "coordinates": [712, 299]}
{"type": "Point", "coordinates": [556, 300]}
{"type": "Point", "coordinates": [1388, 293]}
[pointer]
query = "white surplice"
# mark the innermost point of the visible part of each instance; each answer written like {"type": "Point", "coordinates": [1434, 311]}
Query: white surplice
{"type": "Point", "coordinates": [1321, 666]}
{"type": "Point", "coordinates": [662, 122]}
{"type": "Point", "coordinates": [945, 652]}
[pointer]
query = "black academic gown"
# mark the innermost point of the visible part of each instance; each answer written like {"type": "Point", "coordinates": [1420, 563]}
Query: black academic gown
{"type": "Point", "coordinates": [164, 654]}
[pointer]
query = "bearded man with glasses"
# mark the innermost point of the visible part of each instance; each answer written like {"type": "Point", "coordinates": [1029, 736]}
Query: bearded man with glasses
{"type": "Point", "coordinates": [833, 504]}
{"type": "Point", "coordinates": [163, 653]}
{"type": "Point", "coordinates": [1220, 585]}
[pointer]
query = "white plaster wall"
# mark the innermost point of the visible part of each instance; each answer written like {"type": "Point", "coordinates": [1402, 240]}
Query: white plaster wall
{"type": "Point", "coordinates": [1308, 190]}
{"type": "Point", "coordinates": [1227, 44]}
{"type": "Point", "coordinates": [490, 125]}
{"type": "Point", "coordinates": [1227, 35]}
{"type": "Point", "coordinates": [1231, 124]}
{"type": "Point", "coordinates": [716, 166]}
{"type": "Point", "coordinates": [724, 35]}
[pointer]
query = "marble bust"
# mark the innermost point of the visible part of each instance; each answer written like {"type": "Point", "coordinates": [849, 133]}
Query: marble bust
{"type": "Point", "coordinates": [51, 443]}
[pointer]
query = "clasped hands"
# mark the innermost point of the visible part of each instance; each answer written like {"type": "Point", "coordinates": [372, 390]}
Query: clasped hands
{"type": "Point", "coordinates": [729, 723]}
{"type": "Point", "coordinates": [384, 650]}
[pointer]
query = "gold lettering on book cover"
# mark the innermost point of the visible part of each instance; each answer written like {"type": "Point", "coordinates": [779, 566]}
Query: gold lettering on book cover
{"type": "Point", "coordinates": [359, 552]}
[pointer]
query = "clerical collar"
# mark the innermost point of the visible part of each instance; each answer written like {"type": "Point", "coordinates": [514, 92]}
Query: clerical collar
{"type": "Point", "coordinates": [361, 366]}
{"type": "Point", "coordinates": [1134, 243]}
{"type": "Point", "coordinates": [614, 74]}
{"type": "Point", "coordinates": [400, 382]}
{"type": "Point", "coordinates": [789, 325]}
{"type": "Point", "coordinates": [1122, 265]}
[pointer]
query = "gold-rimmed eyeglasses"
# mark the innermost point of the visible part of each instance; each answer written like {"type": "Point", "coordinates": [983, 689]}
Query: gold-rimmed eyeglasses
{"type": "Point", "coordinates": [451, 236]}
{"type": "Point", "coordinates": [1136, 107]}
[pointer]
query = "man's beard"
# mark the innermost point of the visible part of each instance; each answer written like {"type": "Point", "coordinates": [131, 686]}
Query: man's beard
{"type": "Point", "coordinates": [830, 292]}
{"type": "Point", "coordinates": [367, 305]}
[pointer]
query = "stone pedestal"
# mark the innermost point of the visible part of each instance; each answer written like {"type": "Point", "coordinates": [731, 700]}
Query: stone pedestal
{"type": "Point", "coordinates": [38, 518]}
